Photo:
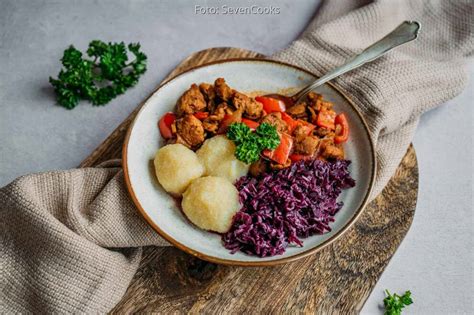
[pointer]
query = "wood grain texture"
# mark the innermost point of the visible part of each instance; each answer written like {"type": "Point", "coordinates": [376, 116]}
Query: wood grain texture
{"type": "Point", "coordinates": [338, 279]}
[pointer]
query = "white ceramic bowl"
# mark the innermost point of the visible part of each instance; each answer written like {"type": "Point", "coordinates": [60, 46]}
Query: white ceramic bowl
{"type": "Point", "coordinates": [160, 209]}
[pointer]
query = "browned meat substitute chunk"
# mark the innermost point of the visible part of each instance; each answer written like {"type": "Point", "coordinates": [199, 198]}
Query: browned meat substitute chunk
{"type": "Point", "coordinates": [223, 91]}
{"type": "Point", "coordinates": [313, 97]}
{"type": "Point", "coordinates": [190, 131]}
{"type": "Point", "coordinates": [221, 110]}
{"type": "Point", "coordinates": [210, 125]}
{"type": "Point", "coordinates": [306, 145]}
{"type": "Point", "coordinates": [276, 166]}
{"type": "Point", "coordinates": [332, 151]}
{"type": "Point", "coordinates": [297, 111]}
{"type": "Point", "coordinates": [323, 132]}
{"type": "Point", "coordinates": [208, 91]}
{"type": "Point", "coordinates": [190, 102]}
{"type": "Point", "coordinates": [275, 120]}
{"type": "Point", "coordinates": [209, 95]}
{"type": "Point", "coordinates": [258, 168]}
{"type": "Point", "coordinates": [252, 109]}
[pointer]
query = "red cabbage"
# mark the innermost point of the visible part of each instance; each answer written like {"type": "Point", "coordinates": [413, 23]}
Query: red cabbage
{"type": "Point", "coordinates": [280, 208]}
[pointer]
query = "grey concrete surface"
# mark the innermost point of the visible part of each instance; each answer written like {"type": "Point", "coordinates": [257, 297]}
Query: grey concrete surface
{"type": "Point", "coordinates": [434, 261]}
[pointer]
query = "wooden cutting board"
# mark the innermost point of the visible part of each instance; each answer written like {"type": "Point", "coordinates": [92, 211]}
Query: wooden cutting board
{"type": "Point", "coordinates": [338, 279]}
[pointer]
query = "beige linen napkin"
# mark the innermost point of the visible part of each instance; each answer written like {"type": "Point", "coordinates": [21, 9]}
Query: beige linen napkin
{"type": "Point", "coordinates": [70, 240]}
{"type": "Point", "coordinates": [393, 91]}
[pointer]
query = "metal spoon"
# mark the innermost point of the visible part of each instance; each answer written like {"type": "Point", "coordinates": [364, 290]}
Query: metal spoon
{"type": "Point", "coordinates": [404, 33]}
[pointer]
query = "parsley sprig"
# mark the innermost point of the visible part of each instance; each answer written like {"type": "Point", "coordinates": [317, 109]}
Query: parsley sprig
{"type": "Point", "coordinates": [100, 79]}
{"type": "Point", "coordinates": [395, 303]}
{"type": "Point", "coordinates": [250, 144]}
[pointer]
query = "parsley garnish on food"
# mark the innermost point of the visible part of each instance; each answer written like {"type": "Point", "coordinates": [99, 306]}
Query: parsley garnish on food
{"type": "Point", "coordinates": [250, 144]}
{"type": "Point", "coordinates": [268, 137]}
{"type": "Point", "coordinates": [395, 303]}
{"type": "Point", "coordinates": [239, 132]}
{"type": "Point", "coordinates": [100, 79]}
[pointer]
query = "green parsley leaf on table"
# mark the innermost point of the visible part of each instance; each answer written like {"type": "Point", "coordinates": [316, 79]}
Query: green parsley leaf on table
{"type": "Point", "coordinates": [395, 303]}
{"type": "Point", "coordinates": [250, 144]}
{"type": "Point", "coordinates": [100, 79]}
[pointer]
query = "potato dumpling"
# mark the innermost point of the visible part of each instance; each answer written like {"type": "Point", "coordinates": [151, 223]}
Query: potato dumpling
{"type": "Point", "coordinates": [217, 154]}
{"type": "Point", "coordinates": [176, 167]}
{"type": "Point", "coordinates": [210, 203]}
{"type": "Point", "coordinates": [231, 170]}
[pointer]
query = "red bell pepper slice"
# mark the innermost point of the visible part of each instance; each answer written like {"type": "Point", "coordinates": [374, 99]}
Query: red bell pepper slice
{"type": "Point", "coordinates": [228, 120]}
{"type": "Point", "coordinates": [201, 115]}
{"type": "Point", "coordinates": [165, 125]}
{"type": "Point", "coordinates": [289, 121]}
{"type": "Point", "coordinates": [271, 105]}
{"type": "Point", "coordinates": [281, 153]}
{"type": "Point", "coordinates": [326, 119]}
{"type": "Point", "coordinates": [299, 157]}
{"type": "Point", "coordinates": [250, 123]}
{"type": "Point", "coordinates": [343, 135]}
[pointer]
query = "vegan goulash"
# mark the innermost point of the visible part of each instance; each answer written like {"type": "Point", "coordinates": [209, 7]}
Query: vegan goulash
{"type": "Point", "coordinates": [261, 172]}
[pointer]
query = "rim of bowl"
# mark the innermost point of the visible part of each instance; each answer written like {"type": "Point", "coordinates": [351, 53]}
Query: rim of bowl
{"type": "Point", "coordinates": [231, 262]}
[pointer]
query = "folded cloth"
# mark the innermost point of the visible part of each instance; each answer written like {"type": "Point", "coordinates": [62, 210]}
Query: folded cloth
{"type": "Point", "coordinates": [70, 240]}
{"type": "Point", "coordinates": [393, 91]}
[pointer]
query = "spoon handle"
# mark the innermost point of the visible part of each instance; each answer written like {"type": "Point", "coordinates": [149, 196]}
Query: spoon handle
{"type": "Point", "coordinates": [404, 33]}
